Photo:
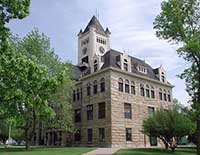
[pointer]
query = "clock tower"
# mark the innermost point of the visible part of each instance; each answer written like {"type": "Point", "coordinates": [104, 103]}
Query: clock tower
{"type": "Point", "coordinates": [93, 43]}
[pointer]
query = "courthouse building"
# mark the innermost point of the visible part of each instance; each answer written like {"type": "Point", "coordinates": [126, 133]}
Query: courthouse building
{"type": "Point", "coordinates": [114, 93]}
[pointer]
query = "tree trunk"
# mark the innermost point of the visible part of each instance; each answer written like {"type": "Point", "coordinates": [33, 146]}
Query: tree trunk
{"type": "Point", "coordinates": [27, 145]}
{"type": "Point", "coordinates": [198, 136]}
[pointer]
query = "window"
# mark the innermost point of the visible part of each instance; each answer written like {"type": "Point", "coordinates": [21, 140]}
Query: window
{"type": "Point", "coordinates": [125, 66]}
{"type": "Point", "coordinates": [152, 92]}
{"type": "Point", "coordinates": [77, 115]}
{"type": "Point", "coordinates": [90, 112]}
{"type": "Point", "coordinates": [165, 95]}
{"type": "Point", "coordinates": [101, 134]}
{"type": "Point", "coordinates": [88, 89]}
{"type": "Point", "coordinates": [147, 91]}
{"type": "Point", "coordinates": [163, 77]}
{"type": "Point", "coordinates": [127, 111]}
{"type": "Point", "coordinates": [81, 94]}
{"type": "Point", "coordinates": [169, 96]}
{"type": "Point", "coordinates": [77, 136]}
{"type": "Point", "coordinates": [78, 95]}
{"type": "Point", "coordinates": [74, 95]}
{"type": "Point", "coordinates": [128, 134]}
{"type": "Point", "coordinates": [126, 86]}
{"type": "Point", "coordinates": [142, 90]}
{"type": "Point", "coordinates": [160, 94]}
{"type": "Point", "coordinates": [133, 87]}
{"type": "Point", "coordinates": [151, 110]}
{"type": "Point", "coordinates": [102, 84]}
{"type": "Point", "coordinates": [95, 87]}
{"type": "Point", "coordinates": [90, 135]}
{"type": "Point", "coordinates": [101, 110]}
{"type": "Point", "coordinates": [95, 65]}
{"type": "Point", "coordinates": [153, 141]}
{"type": "Point", "coordinates": [120, 84]}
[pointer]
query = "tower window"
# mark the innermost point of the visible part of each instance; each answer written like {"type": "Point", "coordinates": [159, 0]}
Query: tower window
{"type": "Point", "coordinates": [151, 110]}
{"type": "Point", "coordinates": [102, 85]}
{"type": "Point", "coordinates": [125, 65]}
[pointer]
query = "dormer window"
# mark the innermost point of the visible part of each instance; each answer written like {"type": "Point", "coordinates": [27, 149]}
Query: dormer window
{"type": "Point", "coordinates": [95, 66]}
{"type": "Point", "coordinates": [142, 69]}
{"type": "Point", "coordinates": [125, 65]}
{"type": "Point", "coordinates": [163, 77]}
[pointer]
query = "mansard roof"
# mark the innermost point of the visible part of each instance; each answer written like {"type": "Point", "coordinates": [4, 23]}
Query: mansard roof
{"type": "Point", "coordinates": [110, 61]}
{"type": "Point", "coordinates": [94, 22]}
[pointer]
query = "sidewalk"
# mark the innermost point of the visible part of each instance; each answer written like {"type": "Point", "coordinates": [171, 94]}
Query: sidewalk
{"type": "Point", "coordinates": [102, 151]}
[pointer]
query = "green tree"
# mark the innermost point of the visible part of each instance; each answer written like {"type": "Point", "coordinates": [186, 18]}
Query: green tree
{"type": "Point", "coordinates": [15, 9]}
{"type": "Point", "coordinates": [44, 85]}
{"type": "Point", "coordinates": [179, 22]}
{"type": "Point", "coordinates": [169, 126]}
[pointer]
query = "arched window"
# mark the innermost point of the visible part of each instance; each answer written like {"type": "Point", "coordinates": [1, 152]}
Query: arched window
{"type": "Point", "coordinates": [120, 84]}
{"type": "Point", "coordinates": [88, 89]}
{"type": "Point", "coordinates": [160, 94]}
{"type": "Point", "coordinates": [95, 66]}
{"type": "Point", "coordinates": [147, 91]}
{"type": "Point", "coordinates": [78, 94]}
{"type": "Point", "coordinates": [102, 85]}
{"type": "Point", "coordinates": [169, 96]}
{"type": "Point", "coordinates": [152, 92]}
{"type": "Point", "coordinates": [165, 95]}
{"type": "Point", "coordinates": [74, 95]}
{"type": "Point", "coordinates": [127, 90]}
{"type": "Point", "coordinates": [142, 90]}
{"type": "Point", "coordinates": [132, 87]}
{"type": "Point", "coordinates": [95, 87]}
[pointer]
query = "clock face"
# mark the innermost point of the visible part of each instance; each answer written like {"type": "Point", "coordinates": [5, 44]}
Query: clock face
{"type": "Point", "coordinates": [101, 49]}
{"type": "Point", "coordinates": [84, 50]}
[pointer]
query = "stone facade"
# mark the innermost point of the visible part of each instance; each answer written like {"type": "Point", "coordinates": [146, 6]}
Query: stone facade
{"type": "Point", "coordinates": [114, 93]}
{"type": "Point", "coordinates": [133, 90]}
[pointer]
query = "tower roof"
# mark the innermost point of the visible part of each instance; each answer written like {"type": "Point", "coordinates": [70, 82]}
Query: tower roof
{"type": "Point", "coordinates": [94, 22]}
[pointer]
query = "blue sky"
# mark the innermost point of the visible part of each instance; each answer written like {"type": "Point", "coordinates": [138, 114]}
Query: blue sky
{"type": "Point", "coordinates": [130, 23]}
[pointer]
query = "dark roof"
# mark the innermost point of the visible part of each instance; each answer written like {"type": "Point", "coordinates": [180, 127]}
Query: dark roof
{"type": "Point", "coordinates": [110, 60]}
{"type": "Point", "coordinates": [94, 22]}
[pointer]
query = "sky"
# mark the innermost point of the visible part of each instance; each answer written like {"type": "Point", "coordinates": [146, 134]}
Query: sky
{"type": "Point", "coordinates": [130, 23]}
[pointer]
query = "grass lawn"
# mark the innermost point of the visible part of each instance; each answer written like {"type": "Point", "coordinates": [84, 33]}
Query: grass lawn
{"type": "Point", "coordinates": [156, 151]}
{"type": "Point", "coordinates": [46, 151]}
